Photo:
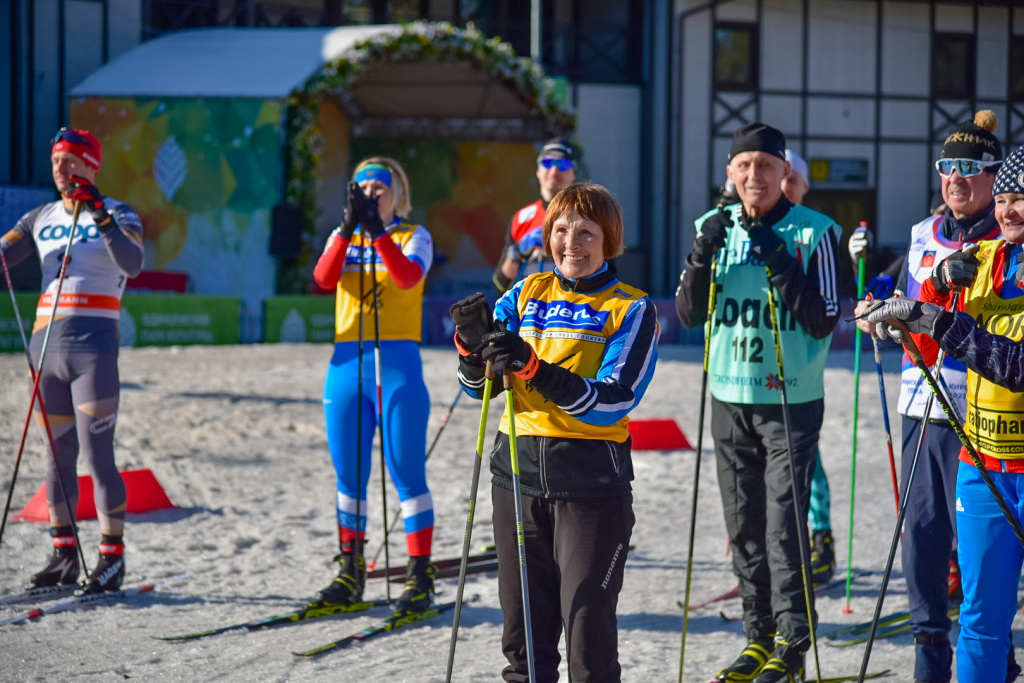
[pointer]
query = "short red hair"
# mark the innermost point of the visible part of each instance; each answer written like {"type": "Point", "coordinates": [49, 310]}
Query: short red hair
{"type": "Point", "coordinates": [594, 203]}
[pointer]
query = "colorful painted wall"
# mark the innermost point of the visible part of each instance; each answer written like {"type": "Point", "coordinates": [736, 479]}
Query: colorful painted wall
{"type": "Point", "coordinates": [204, 175]}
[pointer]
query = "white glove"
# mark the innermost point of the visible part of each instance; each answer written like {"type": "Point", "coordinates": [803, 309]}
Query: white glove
{"type": "Point", "coordinates": [919, 317]}
{"type": "Point", "coordinates": [860, 242]}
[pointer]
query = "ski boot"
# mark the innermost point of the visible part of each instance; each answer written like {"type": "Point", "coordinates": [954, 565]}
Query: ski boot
{"type": "Point", "coordinates": [785, 666]}
{"type": "Point", "coordinates": [823, 557]}
{"type": "Point", "coordinates": [63, 568]}
{"type": "Point", "coordinates": [418, 595]}
{"type": "Point", "coordinates": [348, 585]}
{"type": "Point", "coordinates": [749, 664]}
{"type": "Point", "coordinates": [956, 591]}
{"type": "Point", "coordinates": [109, 571]}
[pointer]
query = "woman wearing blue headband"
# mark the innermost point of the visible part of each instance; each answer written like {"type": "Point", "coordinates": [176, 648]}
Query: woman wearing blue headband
{"type": "Point", "coordinates": [378, 258]}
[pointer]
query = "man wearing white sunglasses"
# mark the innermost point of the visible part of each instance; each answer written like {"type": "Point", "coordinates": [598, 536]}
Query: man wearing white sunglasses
{"type": "Point", "coordinates": [970, 157]}
{"type": "Point", "coordinates": [524, 247]}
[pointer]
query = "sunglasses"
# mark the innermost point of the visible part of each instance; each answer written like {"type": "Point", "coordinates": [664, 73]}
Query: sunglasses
{"type": "Point", "coordinates": [965, 167]}
{"type": "Point", "coordinates": [71, 136]}
{"type": "Point", "coordinates": [562, 165]}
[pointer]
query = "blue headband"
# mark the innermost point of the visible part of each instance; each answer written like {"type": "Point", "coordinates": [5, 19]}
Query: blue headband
{"type": "Point", "coordinates": [374, 172]}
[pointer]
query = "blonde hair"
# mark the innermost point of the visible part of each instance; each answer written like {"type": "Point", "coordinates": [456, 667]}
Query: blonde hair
{"type": "Point", "coordinates": [403, 197]}
{"type": "Point", "coordinates": [594, 203]}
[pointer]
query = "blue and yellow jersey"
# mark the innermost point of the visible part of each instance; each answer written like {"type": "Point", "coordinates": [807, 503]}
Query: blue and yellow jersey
{"type": "Point", "coordinates": [607, 337]}
{"type": "Point", "coordinates": [401, 310]}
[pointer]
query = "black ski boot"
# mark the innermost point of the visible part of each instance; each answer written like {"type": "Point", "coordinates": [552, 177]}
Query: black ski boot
{"type": "Point", "coordinates": [418, 595]}
{"type": "Point", "coordinates": [109, 571]}
{"type": "Point", "coordinates": [823, 557]}
{"type": "Point", "coordinates": [785, 666]}
{"type": "Point", "coordinates": [749, 664]}
{"type": "Point", "coordinates": [351, 579]}
{"type": "Point", "coordinates": [63, 568]}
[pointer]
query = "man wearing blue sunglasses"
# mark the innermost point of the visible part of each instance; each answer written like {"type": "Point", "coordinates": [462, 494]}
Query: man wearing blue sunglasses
{"type": "Point", "coordinates": [970, 157]}
{"type": "Point", "coordinates": [524, 247]}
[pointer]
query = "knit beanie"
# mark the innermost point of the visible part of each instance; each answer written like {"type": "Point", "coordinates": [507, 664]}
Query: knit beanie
{"type": "Point", "coordinates": [974, 139]}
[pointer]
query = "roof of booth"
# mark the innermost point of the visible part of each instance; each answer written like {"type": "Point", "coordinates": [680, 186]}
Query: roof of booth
{"type": "Point", "coordinates": [223, 62]}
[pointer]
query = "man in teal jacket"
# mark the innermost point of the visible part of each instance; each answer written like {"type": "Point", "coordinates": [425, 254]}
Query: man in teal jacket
{"type": "Point", "coordinates": [797, 245]}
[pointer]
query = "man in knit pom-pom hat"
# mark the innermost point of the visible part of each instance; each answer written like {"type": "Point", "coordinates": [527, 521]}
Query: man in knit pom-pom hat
{"type": "Point", "coordinates": [985, 334]}
{"type": "Point", "coordinates": [970, 157]}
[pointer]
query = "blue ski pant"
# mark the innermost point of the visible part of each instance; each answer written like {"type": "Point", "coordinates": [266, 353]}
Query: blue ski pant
{"type": "Point", "coordinates": [990, 564]}
{"type": "Point", "coordinates": [351, 413]}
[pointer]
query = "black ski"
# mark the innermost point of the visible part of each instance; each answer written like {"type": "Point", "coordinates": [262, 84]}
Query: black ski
{"type": "Point", "coordinates": [36, 594]}
{"type": "Point", "coordinates": [389, 625]}
{"type": "Point", "coordinates": [442, 565]}
{"type": "Point", "coordinates": [887, 620]}
{"type": "Point", "coordinates": [855, 677]}
{"type": "Point", "coordinates": [893, 628]}
{"type": "Point", "coordinates": [314, 610]}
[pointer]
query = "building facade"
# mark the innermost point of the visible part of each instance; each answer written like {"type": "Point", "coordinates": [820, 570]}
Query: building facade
{"type": "Point", "coordinates": [865, 90]}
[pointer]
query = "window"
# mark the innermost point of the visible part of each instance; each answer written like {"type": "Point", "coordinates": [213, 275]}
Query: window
{"type": "Point", "coordinates": [953, 66]}
{"type": "Point", "coordinates": [1016, 74]}
{"type": "Point", "coordinates": [736, 56]}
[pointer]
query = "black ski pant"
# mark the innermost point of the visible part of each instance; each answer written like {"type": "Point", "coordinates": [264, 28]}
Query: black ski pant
{"type": "Point", "coordinates": [754, 478]}
{"type": "Point", "coordinates": [929, 535]}
{"type": "Point", "coordinates": [575, 553]}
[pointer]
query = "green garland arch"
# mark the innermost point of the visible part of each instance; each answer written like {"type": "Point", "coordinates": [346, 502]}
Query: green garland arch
{"type": "Point", "coordinates": [418, 41]}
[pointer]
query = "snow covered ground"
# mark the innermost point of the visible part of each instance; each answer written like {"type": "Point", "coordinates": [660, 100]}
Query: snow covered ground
{"type": "Point", "coordinates": [236, 437]}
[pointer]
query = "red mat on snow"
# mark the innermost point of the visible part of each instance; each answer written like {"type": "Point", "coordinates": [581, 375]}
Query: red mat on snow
{"type": "Point", "coordinates": [658, 435]}
{"type": "Point", "coordinates": [145, 494]}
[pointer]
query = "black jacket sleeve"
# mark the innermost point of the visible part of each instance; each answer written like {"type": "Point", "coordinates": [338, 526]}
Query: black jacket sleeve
{"type": "Point", "coordinates": [812, 297]}
{"type": "Point", "coordinates": [998, 359]}
{"type": "Point", "coordinates": [692, 294]}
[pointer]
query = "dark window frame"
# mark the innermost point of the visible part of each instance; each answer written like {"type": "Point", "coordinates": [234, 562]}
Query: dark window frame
{"type": "Point", "coordinates": [753, 81]}
{"type": "Point", "coordinates": [1016, 86]}
{"type": "Point", "coordinates": [942, 41]}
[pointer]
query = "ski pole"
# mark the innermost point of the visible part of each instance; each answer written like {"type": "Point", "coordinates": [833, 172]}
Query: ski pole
{"type": "Point", "coordinates": [485, 405]}
{"type": "Point", "coordinates": [437, 437]}
{"type": "Point", "coordinates": [712, 296]}
{"type": "Point", "coordinates": [48, 434]}
{"type": "Point", "coordinates": [35, 388]}
{"type": "Point", "coordinates": [359, 540]}
{"type": "Point", "coordinates": [885, 419]}
{"type": "Point", "coordinates": [857, 335]}
{"type": "Point", "coordinates": [801, 518]}
{"type": "Point", "coordinates": [520, 535]}
{"type": "Point", "coordinates": [380, 413]}
{"type": "Point", "coordinates": [918, 359]}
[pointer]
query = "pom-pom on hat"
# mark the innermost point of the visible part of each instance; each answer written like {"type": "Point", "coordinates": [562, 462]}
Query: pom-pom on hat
{"type": "Point", "coordinates": [974, 139]}
{"type": "Point", "coordinates": [758, 137]}
{"type": "Point", "coordinates": [81, 143]}
{"type": "Point", "coordinates": [1010, 177]}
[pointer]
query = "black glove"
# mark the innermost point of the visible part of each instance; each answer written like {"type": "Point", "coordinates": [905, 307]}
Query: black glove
{"type": "Point", "coordinates": [92, 201]}
{"type": "Point", "coordinates": [956, 270]}
{"type": "Point", "coordinates": [473, 319]}
{"type": "Point", "coordinates": [711, 238]}
{"type": "Point", "coordinates": [510, 353]}
{"type": "Point", "coordinates": [368, 214]}
{"type": "Point", "coordinates": [767, 246]}
{"type": "Point", "coordinates": [349, 220]}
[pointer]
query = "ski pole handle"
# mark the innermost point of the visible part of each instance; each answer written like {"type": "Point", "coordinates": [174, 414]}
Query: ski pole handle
{"type": "Point", "coordinates": [909, 345]}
